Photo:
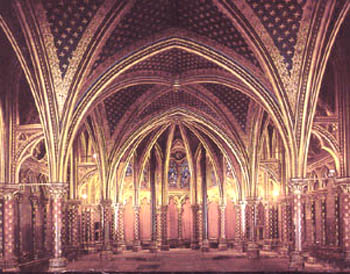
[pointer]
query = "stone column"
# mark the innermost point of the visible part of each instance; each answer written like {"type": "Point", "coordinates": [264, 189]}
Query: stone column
{"type": "Point", "coordinates": [323, 218]}
{"type": "Point", "coordinates": [222, 241]}
{"type": "Point", "coordinates": [164, 228]}
{"type": "Point", "coordinates": [296, 262]}
{"type": "Point", "coordinates": [310, 220]}
{"type": "Point", "coordinates": [1, 232]}
{"type": "Point", "coordinates": [137, 242]}
{"type": "Point", "coordinates": [106, 206]}
{"type": "Point", "coordinates": [252, 247]}
{"type": "Point", "coordinates": [120, 228]}
{"type": "Point", "coordinates": [195, 228]}
{"type": "Point", "coordinates": [73, 212]}
{"type": "Point", "coordinates": [47, 227]}
{"type": "Point", "coordinates": [240, 226]}
{"type": "Point", "coordinates": [284, 229]}
{"type": "Point", "coordinates": [179, 226]}
{"type": "Point", "coordinates": [344, 184]}
{"type": "Point", "coordinates": [34, 199]}
{"type": "Point", "coordinates": [203, 167]}
{"type": "Point", "coordinates": [159, 225]}
{"type": "Point", "coordinates": [268, 210]}
{"type": "Point", "coordinates": [10, 258]}
{"type": "Point", "coordinates": [57, 192]}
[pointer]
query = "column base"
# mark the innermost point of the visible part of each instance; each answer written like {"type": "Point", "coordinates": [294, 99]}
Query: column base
{"type": "Point", "coordinates": [347, 257]}
{"type": "Point", "coordinates": [222, 245]}
{"type": "Point", "coordinates": [195, 245]}
{"type": "Point", "coordinates": [205, 246]}
{"type": "Point", "coordinates": [284, 251]}
{"type": "Point", "coordinates": [296, 261]}
{"type": "Point", "coordinates": [164, 247]}
{"type": "Point", "coordinates": [136, 246]}
{"type": "Point", "coordinates": [253, 251]}
{"type": "Point", "coordinates": [153, 247]}
{"type": "Point", "coordinates": [267, 247]}
{"type": "Point", "coordinates": [9, 265]}
{"type": "Point", "coordinates": [106, 255]}
{"type": "Point", "coordinates": [240, 246]}
{"type": "Point", "coordinates": [57, 264]}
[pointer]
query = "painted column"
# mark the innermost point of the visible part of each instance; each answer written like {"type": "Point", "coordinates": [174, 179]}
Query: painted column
{"type": "Point", "coordinates": [268, 210]}
{"type": "Point", "coordinates": [153, 175]}
{"type": "Point", "coordinates": [203, 167]}
{"type": "Point", "coordinates": [252, 247]}
{"type": "Point", "coordinates": [137, 242]}
{"type": "Point", "coordinates": [57, 192]}
{"type": "Point", "coordinates": [47, 227]}
{"type": "Point", "coordinates": [344, 184]}
{"type": "Point", "coordinates": [179, 226]}
{"type": "Point", "coordinates": [323, 218]}
{"type": "Point", "coordinates": [164, 230]}
{"type": "Point", "coordinates": [34, 199]}
{"type": "Point", "coordinates": [106, 229]}
{"type": "Point", "coordinates": [1, 232]}
{"type": "Point", "coordinates": [73, 211]}
{"type": "Point", "coordinates": [296, 259]}
{"type": "Point", "coordinates": [159, 226]}
{"type": "Point", "coordinates": [120, 228]}
{"type": "Point", "coordinates": [222, 241]}
{"type": "Point", "coordinates": [195, 228]}
{"type": "Point", "coordinates": [10, 258]}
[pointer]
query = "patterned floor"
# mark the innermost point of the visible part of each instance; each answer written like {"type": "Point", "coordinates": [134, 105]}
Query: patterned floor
{"type": "Point", "coordinates": [188, 261]}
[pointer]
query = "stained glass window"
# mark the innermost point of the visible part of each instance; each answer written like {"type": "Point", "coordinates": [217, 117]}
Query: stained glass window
{"type": "Point", "coordinates": [172, 174]}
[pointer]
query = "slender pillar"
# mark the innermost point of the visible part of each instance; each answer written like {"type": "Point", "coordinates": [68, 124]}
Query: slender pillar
{"type": "Point", "coordinates": [47, 227]}
{"type": "Point", "coordinates": [323, 218]}
{"type": "Point", "coordinates": [57, 192]}
{"type": "Point", "coordinates": [153, 247]}
{"type": "Point", "coordinates": [34, 199]}
{"type": "Point", "coordinates": [203, 166]}
{"type": "Point", "coordinates": [106, 206]}
{"type": "Point", "coordinates": [252, 248]}
{"type": "Point", "coordinates": [164, 230]}
{"type": "Point", "coordinates": [10, 258]}
{"type": "Point", "coordinates": [268, 210]}
{"type": "Point", "coordinates": [120, 228]}
{"type": "Point", "coordinates": [159, 226]}
{"type": "Point", "coordinates": [137, 242]}
{"type": "Point", "coordinates": [1, 231]}
{"type": "Point", "coordinates": [284, 229]}
{"type": "Point", "coordinates": [240, 226]}
{"type": "Point", "coordinates": [223, 240]}
{"type": "Point", "coordinates": [296, 262]}
{"type": "Point", "coordinates": [344, 184]}
{"type": "Point", "coordinates": [179, 226]}
{"type": "Point", "coordinates": [195, 227]}
{"type": "Point", "coordinates": [73, 231]}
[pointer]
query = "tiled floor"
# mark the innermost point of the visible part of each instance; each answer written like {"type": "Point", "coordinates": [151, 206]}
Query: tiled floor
{"type": "Point", "coordinates": [186, 260]}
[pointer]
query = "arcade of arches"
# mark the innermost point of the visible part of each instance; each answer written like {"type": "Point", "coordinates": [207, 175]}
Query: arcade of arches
{"type": "Point", "coordinates": [154, 124]}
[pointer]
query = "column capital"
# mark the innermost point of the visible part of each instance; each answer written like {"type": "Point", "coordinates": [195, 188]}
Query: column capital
{"type": "Point", "coordinates": [343, 183]}
{"type": "Point", "coordinates": [297, 184]}
{"type": "Point", "coordinates": [8, 191]}
{"type": "Point", "coordinates": [106, 203]}
{"type": "Point", "coordinates": [57, 190]}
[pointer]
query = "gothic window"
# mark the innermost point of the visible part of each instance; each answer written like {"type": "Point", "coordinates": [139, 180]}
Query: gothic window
{"type": "Point", "coordinates": [185, 175]}
{"type": "Point", "coordinates": [172, 174]}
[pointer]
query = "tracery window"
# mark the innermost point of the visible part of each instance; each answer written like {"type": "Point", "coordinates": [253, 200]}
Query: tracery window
{"type": "Point", "coordinates": [172, 174]}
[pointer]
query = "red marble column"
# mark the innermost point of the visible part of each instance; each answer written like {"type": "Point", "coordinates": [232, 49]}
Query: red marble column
{"type": "Point", "coordinates": [10, 258]}
{"type": "Point", "coordinates": [57, 192]}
